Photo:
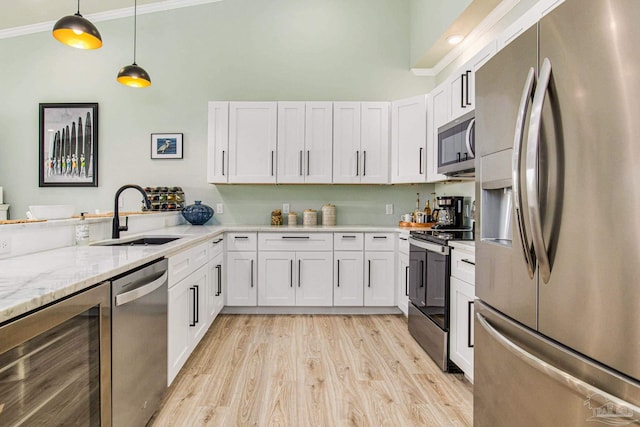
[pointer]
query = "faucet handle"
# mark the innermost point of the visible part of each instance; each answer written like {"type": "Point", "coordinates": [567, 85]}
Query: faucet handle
{"type": "Point", "coordinates": [125, 227]}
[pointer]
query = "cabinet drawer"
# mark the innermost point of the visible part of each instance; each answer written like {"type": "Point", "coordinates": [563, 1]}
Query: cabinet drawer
{"type": "Point", "coordinates": [403, 243]}
{"type": "Point", "coordinates": [463, 265]}
{"type": "Point", "coordinates": [186, 262]}
{"type": "Point", "coordinates": [242, 241]}
{"type": "Point", "coordinates": [379, 241]}
{"type": "Point", "coordinates": [348, 241]}
{"type": "Point", "coordinates": [295, 241]}
{"type": "Point", "coordinates": [216, 246]}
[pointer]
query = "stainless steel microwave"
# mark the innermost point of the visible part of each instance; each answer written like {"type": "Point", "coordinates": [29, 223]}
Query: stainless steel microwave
{"type": "Point", "coordinates": [456, 146]}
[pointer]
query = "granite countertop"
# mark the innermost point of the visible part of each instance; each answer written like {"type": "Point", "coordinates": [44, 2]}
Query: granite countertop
{"type": "Point", "coordinates": [28, 282]}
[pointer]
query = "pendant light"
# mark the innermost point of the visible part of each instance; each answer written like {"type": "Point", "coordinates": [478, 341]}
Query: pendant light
{"type": "Point", "coordinates": [134, 75]}
{"type": "Point", "coordinates": [76, 31]}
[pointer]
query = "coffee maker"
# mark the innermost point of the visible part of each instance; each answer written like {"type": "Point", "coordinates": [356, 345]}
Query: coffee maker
{"type": "Point", "coordinates": [450, 212]}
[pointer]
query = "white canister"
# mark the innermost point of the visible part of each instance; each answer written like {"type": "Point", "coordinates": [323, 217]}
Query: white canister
{"type": "Point", "coordinates": [292, 218]}
{"type": "Point", "coordinates": [328, 214]}
{"type": "Point", "coordinates": [310, 217]}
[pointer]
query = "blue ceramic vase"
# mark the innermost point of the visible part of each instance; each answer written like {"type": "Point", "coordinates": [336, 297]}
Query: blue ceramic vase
{"type": "Point", "coordinates": [197, 214]}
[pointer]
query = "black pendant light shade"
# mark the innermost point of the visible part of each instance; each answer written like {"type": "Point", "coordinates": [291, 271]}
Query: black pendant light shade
{"type": "Point", "coordinates": [76, 31]}
{"type": "Point", "coordinates": [133, 75]}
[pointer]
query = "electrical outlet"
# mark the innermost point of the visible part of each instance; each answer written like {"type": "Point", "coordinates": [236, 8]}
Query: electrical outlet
{"type": "Point", "coordinates": [5, 245]}
{"type": "Point", "coordinates": [219, 208]}
{"type": "Point", "coordinates": [389, 209]}
{"type": "Point", "coordinates": [285, 208]}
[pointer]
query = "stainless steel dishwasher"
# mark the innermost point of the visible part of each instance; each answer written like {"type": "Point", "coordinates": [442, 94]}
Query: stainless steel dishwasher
{"type": "Point", "coordinates": [139, 343]}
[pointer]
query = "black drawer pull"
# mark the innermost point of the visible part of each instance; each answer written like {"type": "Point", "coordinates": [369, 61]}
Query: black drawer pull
{"type": "Point", "coordinates": [348, 237]}
{"type": "Point", "coordinates": [296, 237]}
{"type": "Point", "coordinates": [379, 237]}
{"type": "Point", "coordinates": [466, 261]}
{"type": "Point", "coordinates": [241, 237]}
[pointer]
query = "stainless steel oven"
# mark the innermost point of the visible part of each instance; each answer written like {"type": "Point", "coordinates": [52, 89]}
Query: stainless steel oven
{"type": "Point", "coordinates": [456, 146]}
{"type": "Point", "coordinates": [55, 363]}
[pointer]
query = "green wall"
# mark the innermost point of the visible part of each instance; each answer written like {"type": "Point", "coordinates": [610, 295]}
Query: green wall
{"type": "Point", "coordinates": [230, 50]}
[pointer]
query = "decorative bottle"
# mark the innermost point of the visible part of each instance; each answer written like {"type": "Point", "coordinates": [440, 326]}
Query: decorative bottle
{"type": "Point", "coordinates": [197, 214]}
{"type": "Point", "coordinates": [82, 231]}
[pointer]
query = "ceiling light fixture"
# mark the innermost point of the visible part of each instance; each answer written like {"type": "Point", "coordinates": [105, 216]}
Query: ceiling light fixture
{"type": "Point", "coordinates": [133, 75]}
{"type": "Point", "coordinates": [455, 39]}
{"type": "Point", "coordinates": [76, 31]}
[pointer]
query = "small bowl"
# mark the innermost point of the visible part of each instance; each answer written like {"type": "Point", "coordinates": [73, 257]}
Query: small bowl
{"type": "Point", "coordinates": [51, 211]}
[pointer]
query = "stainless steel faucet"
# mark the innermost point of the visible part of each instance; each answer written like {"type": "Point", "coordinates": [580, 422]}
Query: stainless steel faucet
{"type": "Point", "coordinates": [116, 228]}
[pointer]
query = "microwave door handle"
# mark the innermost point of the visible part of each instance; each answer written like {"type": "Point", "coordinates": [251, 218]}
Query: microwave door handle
{"type": "Point", "coordinates": [467, 138]}
{"type": "Point", "coordinates": [527, 94]}
{"type": "Point", "coordinates": [532, 171]}
{"type": "Point", "coordinates": [577, 385]}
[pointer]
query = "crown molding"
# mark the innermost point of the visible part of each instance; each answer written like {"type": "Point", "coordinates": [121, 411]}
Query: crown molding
{"type": "Point", "coordinates": [106, 16]}
{"type": "Point", "coordinates": [482, 28]}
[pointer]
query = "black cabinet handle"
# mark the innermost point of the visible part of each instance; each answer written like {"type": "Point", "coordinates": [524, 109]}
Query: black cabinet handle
{"type": "Point", "coordinates": [300, 162]}
{"type": "Point", "coordinates": [272, 154]}
{"type": "Point", "coordinates": [468, 262]}
{"type": "Point", "coordinates": [421, 274]}
{"type": "Point", "coordinates": [296, 237]}
{"type": "Point", "coordinates": [291, 274]}
{"type": "Point", "coordinates": [338, 273]}
{"type": "Point", "coordinates": [219, 268]}
{"type": "Point", "coordinates": [240, 237]}
{"type": "Point", "coordinates": [469, 317]}
{"type": "Point", "coordinates": [348, 237]}
{"type": "Point", "coordinates": [364, 163]}
{"type": "Point", "coordinates": [299, 268]}
{"type": "Point", "coordinates": [193, 306]}
{"type": "Point", "coordinates": [308, 164]}
{"type": "Point", "coordinates": [403, 238]}
{"type": "Point", "coordinates": [215, 242]}
{"type": "Point", "coordinates": [252, 273]}
{"type": "Point", "coordinates": [406, 281]}
{"type": "Point", "coordinates": [197, 301]}
{"type": "Point", "coordinates": [357, 163]}
{"type": "Point", "coordinates": [222, 162]}
{"type": "Point", "coordinates": [379, 237]}
{"type": "Point", "coordinates": [459, 157]}
{"type": "Point", "coordinates": [420, 160]}
{"type": "Point", "coordinates": [467, 87]}
{"type": "Point", "coordinates": [369, 285]}
{"type": "Point", "coordinates": [462, 104]}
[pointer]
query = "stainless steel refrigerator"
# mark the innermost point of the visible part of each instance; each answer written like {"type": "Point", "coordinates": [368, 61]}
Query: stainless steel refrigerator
{"type": "Point", "coordinates": [557, 327]}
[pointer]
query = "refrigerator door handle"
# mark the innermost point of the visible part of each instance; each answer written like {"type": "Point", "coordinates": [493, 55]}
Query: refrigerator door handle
{"type": "Point", "coordinates": [576, 384]}
{"type": "Point", "coordinates": [467, 138]}
{"type": "Point", "coordinates": [533, 142]}
{"type": "Point", "coordinates": [527, 93]}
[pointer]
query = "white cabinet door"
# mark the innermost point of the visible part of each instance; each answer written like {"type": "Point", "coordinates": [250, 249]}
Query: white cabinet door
{"type": "Point", "coordinates": [314, 279]}
{"type": "Point", "coordinates": [252, 142]}
{"type": "Point", "coordinates": [348, 288]}
{"type": "Point", "coordinates": [461, 328]}
{"type": "Point", "coordinates": [291, 150]}
{"type": "Point", "coordinates": [459, 93]}
{"type": "Point", "coordinates": [218, 143]}
{"type": "Point", "coordinates": [241, 279]}
{"type": "Point", "coordinates": [379, 279]}
{"type": "Point", "coordinates": [318, 142]}
{"type": "Point", "coordinates": [438, 115]}
{"type": "Point", "coordinates": [179, 318]}
{"type": "Point", "coordinates": [403, 282]}
{"type": "Point", "coordinates": [478, 60]}
{"type": "Point", "coordinates": [408, 139]}
{"type": "Point", "coordinates": [374, 146]}
{"type": "Point", "coordinates": [276, 277]}
{"type": "Point", "coordinates": [215, 297]}
{"type": "Point", "coordinates": [198, 283]}
{"type": "Point", "coordinates": [346, 142]}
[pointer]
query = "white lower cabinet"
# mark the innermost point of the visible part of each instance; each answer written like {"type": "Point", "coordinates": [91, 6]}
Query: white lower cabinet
{"type": "Point", "coordinates": [461, 338]}
{"type": "Point", "coordinates": [241, 286]}
{"type": "Point", "coordinates": [379, 277]}
{"type": "Point", "coordinates": [348, 288]}
{"type": "Point", "coordinates": [215, 295]}
{"type": "Point", "coordinates": [187, 318]}
{"type": "Point", "coordinates": [295, 278]}
{"type": "Point", "coordinates": [403, 273]}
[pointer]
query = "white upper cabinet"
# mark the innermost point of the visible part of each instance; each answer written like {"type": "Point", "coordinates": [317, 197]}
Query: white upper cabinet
{"type": "Point", "coordinates": [291, 150]}
{"type": "Point", "coordinates": [304, 142]}
{"type": "Point", "coordinates": [361, 142]}
{"type": "Point", "coordinates": [318, 142]}
{"type": "Point", "coordinates": [218, 143]}
{"type": "Point", "coordinates": [437, 116]}
{"type": "Point", "coordinates": [252, 142]}
{"type": "Point", "coordinates": [409, 139]}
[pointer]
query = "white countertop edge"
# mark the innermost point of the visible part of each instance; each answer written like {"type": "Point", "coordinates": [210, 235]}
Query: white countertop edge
{"type": "Point", "coordinates": [28, 282]}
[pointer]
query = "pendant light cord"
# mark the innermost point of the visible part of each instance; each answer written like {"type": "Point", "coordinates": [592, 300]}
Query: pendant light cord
{"type": "Point", "coordinates": [135, 30]}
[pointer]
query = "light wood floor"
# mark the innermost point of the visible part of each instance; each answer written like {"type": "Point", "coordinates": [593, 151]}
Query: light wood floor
{"type": "Point", "coordinates": [315, 370]}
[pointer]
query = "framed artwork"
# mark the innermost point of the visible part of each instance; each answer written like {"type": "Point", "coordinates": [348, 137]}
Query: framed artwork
{"type": "Point", "coordinates": [68, 145]}
{"type": "Point", "coordinates": [166, 145]}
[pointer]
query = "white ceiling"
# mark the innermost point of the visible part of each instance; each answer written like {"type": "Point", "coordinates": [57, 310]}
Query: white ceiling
{"type": "Point", "coordinates": [20, 13]}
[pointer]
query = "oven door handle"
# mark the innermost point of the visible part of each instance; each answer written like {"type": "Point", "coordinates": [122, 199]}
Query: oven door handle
{"type": "Point", "coordinates": [433, 247]}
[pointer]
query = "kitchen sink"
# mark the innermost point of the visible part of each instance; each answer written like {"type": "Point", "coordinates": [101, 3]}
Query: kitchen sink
{"type": "Point", "coordinates": [140, 241]}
